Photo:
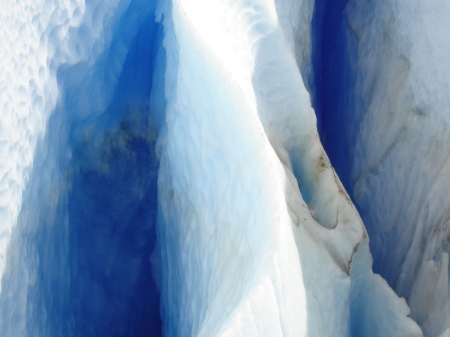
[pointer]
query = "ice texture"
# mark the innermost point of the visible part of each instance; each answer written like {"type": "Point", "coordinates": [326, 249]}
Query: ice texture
{"type": "Point", "coordinates": [34, 44]}
{"type": "Point", "coordinates": [393, 125]}
{"type": "Point", "coordinates": [162, 174]}
{"type": "Point", "coordinates": [80, 233]}
{"type": "Point", "coordinates": [259, 236]}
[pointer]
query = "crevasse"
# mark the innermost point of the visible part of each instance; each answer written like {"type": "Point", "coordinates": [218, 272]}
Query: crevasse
{"type": "Point", "coordinates": [165, 174]}
{"type": "Point", "coordinates": [390, 143]}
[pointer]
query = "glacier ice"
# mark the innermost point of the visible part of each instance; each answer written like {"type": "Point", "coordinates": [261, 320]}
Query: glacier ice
{"type": "Point", "coordinates": [164, 173]}
{"type": "Point", "coordinates": [395, 120]}
{"type": "Point", "coordinates": [280, 254]}
{"type": "Point", "coordinates": [78, 260]}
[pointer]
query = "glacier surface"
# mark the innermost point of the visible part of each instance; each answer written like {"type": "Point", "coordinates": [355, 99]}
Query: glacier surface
{"type": "Point", "coordinates": [162, 170]}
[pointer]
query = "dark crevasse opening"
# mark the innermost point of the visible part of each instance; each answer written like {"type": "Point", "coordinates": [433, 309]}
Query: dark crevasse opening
{"type": "Point", "coordinates": [333, 60]}
{"type": "Point", "coordinates": [334, 94]}
{"type": "Point", "coordinates": [112, 219]}
{"type": "Point", "coordinates": [333, 81]}
{"type": "Point", "coordinates": [89, 234]}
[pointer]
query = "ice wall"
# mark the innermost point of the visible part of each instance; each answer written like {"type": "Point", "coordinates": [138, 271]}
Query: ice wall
{"type": "Point", "coordinates": [167, 177]}
{"type": "Point", "coordinates": [81, 258]}
{"type": "Point", "coordinates": [34, 44]}
{"type": "Point", "coordinates": [257, 234]}
{"type": "Point", "coordinates": [392, 125]}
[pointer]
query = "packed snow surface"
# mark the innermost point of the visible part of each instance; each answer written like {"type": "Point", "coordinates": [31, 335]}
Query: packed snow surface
{"type": "Point", "coordinates": [162, 174]}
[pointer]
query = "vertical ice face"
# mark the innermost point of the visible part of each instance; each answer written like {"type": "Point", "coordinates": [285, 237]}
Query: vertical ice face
{"type": "Point", "coordinates": [400, 148]}
{"type": "Point", "coordinates": [257, 235]}
{"type": "Point", "coordinates": [34, 43]}
{"type": "Point", "coordinates": [196, 131]}
{"type": "Point", "coordinates": [81, 172]}
{"type": "Point", "coordinates": [38, 37]}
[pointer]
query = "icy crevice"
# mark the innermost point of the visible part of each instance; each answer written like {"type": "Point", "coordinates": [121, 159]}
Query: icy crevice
{"type": "Point", "coordinates": [241, 117]}
{"type": "Point", "coordinates": [379, 73]}
{"type": "Point", "coordinates": [182, 162]}
{"type": "Point", "coordinates": [82, 258]}
{"type": "Point", "coordinates": [331, 84]}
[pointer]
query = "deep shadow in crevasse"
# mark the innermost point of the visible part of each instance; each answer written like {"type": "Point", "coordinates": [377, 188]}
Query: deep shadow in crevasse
{"type": "Point", "coordinates": [333, 83]}
{"type": "Point", "coordinates": [112, 218]}
{"type": "Point", "coordinates": [97, 265]}
{"type": "Point", "coordinates": [333, 99]}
